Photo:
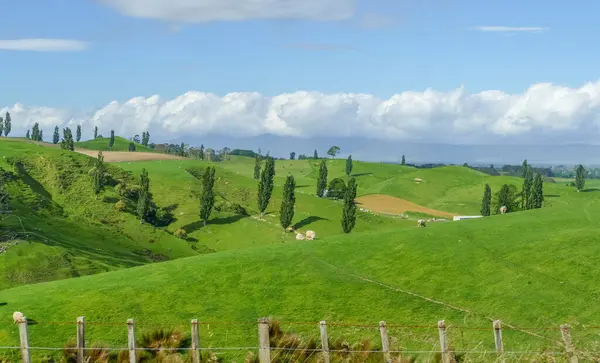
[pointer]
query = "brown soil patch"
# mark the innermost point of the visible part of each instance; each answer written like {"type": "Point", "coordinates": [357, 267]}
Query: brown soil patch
{"type": "Point", "coordinates": [118, 156]}
{"type": "Point", "coordinates": [386, 204]}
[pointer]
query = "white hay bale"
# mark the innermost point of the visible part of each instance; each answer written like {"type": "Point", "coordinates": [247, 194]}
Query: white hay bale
{"type": "Point", "coordinates": [300, 237]}
{"type": "Point", "coordinates": [310, 235]}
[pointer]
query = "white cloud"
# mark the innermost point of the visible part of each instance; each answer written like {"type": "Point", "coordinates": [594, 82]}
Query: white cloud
{"type": "Point", "coordinates": [543, 112]}
{"type": "Point", "coordinates": [43, 44]}
{"type": "Point", "coordinates": [197, 11]}
{"type": "Point", "coordinates": [510, 29]}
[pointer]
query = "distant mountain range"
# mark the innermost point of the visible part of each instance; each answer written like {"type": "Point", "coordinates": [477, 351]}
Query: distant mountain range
{"type": "Point", "coordinates": [392, 151]}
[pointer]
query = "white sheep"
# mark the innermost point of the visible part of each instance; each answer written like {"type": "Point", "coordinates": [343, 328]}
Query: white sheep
{"type": "Point", "coordinates": [420, 223]}
{"type": "Point", "coordinates": [310, 235]}
{"type": "Point", "coordinates": [503, 209]}
{"type": "Point", "coordinates": [300, 237]}
{"type": "Point", "coordinates": [18, 317]}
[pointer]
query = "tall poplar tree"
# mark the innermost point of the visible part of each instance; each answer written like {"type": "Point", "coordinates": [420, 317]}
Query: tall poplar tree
{"type": "Point", "coordinates": [526, 196]}
{"type": "Point", "coordinates": [349, 165]}
{"type": "Point", "coordinates": [78, 133]}
{"type": "Point", "coordinates": [579, 177]}
{"type": "Point", "coordinates": [35, 131]}
{"type": "Point", "coordinates": [315, 155]}
{"type": "Point", "coordinates": [524, 168]}
{"type": "Point", "coordinates": [99, 174]}
{"type": "Point", "coordinates": [67, 141]}
{"type": "Point", "coordinates": [286, 212]}
{"type": "Point", "coordinates": [143, 205]}
{"type": "Point", "coordinates": [349, 211]}
{"type": "Point", "coordinates": [538, 192]}
{"type": "Point", "coordinates": [111, 142]}
{"type": "Point", "coordinates": [95, 132]}
{"type": "Point", "coordinates": [486, 202]}
{"type": "Point", "coordinates": [28, 135]}
{"type": "Point", "coordinates": [265, 185]}
{"type": "Point", "coordinates": [207, 199]}
{"type": "Point", "coordinates": [7, 124]}
{"type": "Point", "coordinates": [322, 181]}
{"type": "Point", "coordinates": [257, 167]}
{"type": "Point", "coordinates": [1, 125]}
{"type": "Point", "coordinates": [56, 135]}
{"type": "Point", "coordinates": [403, 162]}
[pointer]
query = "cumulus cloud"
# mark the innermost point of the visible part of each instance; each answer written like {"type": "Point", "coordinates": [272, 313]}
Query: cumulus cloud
{"type": "Point", "coordinates": [543, 112]}
{"type": "Point", "coordinates": [197, 11]}
{"type": "Point", "coordinates": [43, 44]}
{"type": "Point", "coordinates": [510, 29]}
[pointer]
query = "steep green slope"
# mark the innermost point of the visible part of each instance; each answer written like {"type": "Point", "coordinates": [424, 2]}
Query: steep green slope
{"type": "Point", "coordinates": [529, 269]}
{"type": "Point", "coordinates": [63, 231]}
{"type": "Point", "coordinates": [121, 144]}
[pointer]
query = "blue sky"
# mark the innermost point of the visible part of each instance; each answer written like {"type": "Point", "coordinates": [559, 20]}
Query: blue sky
{"type": "Point", "coordinates": [392, 50]}
{"type": "Point", "coordinates": [428, 45]}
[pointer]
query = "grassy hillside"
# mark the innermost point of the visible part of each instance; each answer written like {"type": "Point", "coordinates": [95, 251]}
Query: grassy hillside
{"type": "Point", "coordinates": [63, 231]}
{"type": "Point", "coordinates": [530, 269]}
{"type": "Point", "coordinates": [67, 232]}
{"type": "Point", "coordinates": [121, 144]}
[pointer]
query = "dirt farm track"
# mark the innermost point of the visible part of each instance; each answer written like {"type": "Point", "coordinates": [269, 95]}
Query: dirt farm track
{"type": "Point", "coordinates": [387, 204]}
{"type": "Point", "coordinates": [119, 156]}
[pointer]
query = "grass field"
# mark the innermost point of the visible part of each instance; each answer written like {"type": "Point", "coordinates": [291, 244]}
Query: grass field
{"type": "Point", "coordinates": [529, 269]}
{"type": "Point", "coordinates": [121, 144]}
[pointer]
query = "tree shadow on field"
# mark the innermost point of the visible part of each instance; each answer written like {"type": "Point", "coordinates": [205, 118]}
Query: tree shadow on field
{"type": "Point", "coordinates": [3, 304]}
{"type": "Point", "coordinates": [551, 196]}
{"type": "Point", "coordinates": [110, 199]}
{"type": "Point", "coordinates": [308, 220]}
{"type": "Point", "coordinates": [361, 174]}
{"type": "Point", "coordinates": [193, 227]}
{"type": "Point", "coordinates": [588, 190]}
{"type": "Point", "coordinates": [303, 186]}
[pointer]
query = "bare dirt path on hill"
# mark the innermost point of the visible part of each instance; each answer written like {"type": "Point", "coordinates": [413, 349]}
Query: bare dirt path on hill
{"type": "Point", "coordinates": [119, 156]}
{"type": "Point", "coordinates": [387, 204]}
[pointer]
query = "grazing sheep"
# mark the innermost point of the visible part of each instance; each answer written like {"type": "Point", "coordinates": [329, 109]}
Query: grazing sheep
{"type": "Point", "coordinates": [503, 209]}
{"type": "Point", "coordinates": [300, 237]}
{"type": "Point", "coordinates": [18, 317]}
{"type": "Point", "coordinates": [310, 235]}
{"type": "Point", "coordinates": [420, 223]}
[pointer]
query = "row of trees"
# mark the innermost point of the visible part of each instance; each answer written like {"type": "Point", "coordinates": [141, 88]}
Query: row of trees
{"type": "Point", "coordinates": [5, 124]}
{"type": "Point", "coordinates": [530, 197]}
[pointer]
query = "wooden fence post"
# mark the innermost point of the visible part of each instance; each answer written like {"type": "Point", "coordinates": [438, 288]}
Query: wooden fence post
{"type": "Point", "coordinates": [324, 341]}
{"type": "Point", "coordinates": [443, 341]}
{"type": "Point", "coordinates": [566, 336]}
{"type": "Point", "coordinates": [385, 342]}
{"type": "Point", "coordinates": [264, 351]}
{"type": "Point", "coordinates": [24, 336]}
{"type": "Point", "coordinates": [195, 342]}
{"type": "Point", "coordinates": [81, 339]}
{"type": "Point", "coordinates": [131, 340]}
{"type": "Point", "coordinates": [498, 339]}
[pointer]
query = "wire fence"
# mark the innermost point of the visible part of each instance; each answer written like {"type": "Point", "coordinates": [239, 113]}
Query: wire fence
{"type": "Point", "coordinates": [311, 343]}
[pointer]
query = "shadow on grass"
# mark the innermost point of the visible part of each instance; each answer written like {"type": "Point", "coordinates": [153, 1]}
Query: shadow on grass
{"type": "Point", "coordinates": [303, 186]}
{"type": "Point", "coordinates": [588, 190]}
{"type": "Point", "coordinates": [192, 227]}
{"type": "Point", "coordinates": [3, 304]}
{"type": "Point", "coordinates": [361, 174]}
{"type": "Point", "coordinates": [551, 196]}
{"type": "Point", "coordinates": [35, 186]}
{"type": "Point", "coordinates": [111, 200]}
{"type": "Point", "coordinates": [308, 220]}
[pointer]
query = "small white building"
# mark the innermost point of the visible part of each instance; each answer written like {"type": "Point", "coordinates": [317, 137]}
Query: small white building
{"type": "Point", "coordinates": [458, 218]}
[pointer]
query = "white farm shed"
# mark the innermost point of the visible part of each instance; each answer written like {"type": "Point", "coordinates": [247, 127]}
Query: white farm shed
{"type": "Point", "coordinates": [458, 218]}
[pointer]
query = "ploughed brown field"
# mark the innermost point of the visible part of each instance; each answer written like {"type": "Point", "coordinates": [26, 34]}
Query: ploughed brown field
{"type": "Point", "coordinates": [386, 204]}
{"type": "Point", "coordinates": [119, 156]}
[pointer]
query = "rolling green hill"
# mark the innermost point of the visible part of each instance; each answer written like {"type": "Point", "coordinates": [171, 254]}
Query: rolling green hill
{"type": "Point", "coordinates": [529, 269]}
{"type": "Point", "coordinates": [121, 144]}
{"type": "Point", "coordinates": [503, 267]}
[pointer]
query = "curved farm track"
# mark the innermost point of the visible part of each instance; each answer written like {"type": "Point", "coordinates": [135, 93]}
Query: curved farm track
{"type": "Point", "coordinates": [387, 204]}
{"type": "Point", "coordinates": [119, 156]}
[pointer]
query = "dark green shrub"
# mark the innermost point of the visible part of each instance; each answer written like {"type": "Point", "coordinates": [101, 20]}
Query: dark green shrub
{"type": "Point", "coordinates": [336, 188]}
